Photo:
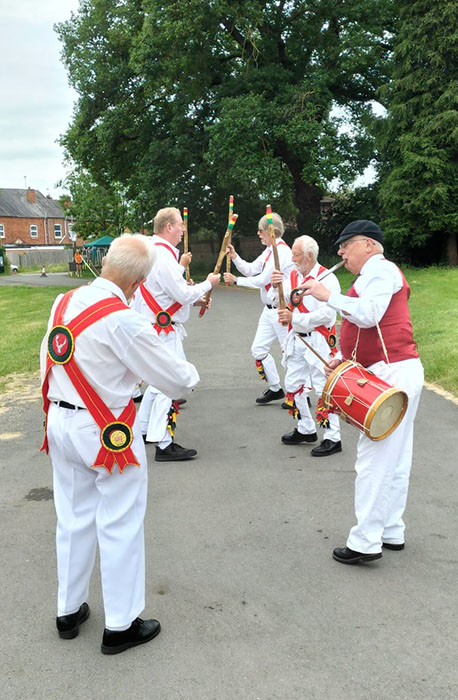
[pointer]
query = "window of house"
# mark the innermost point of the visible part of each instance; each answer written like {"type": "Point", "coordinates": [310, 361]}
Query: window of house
{"type": "Point", "coordinates": [2, 231]}
{"type": "Point", "coordinates": [33, 231]}
{"type": "Point", "coordinates": [57, 230]}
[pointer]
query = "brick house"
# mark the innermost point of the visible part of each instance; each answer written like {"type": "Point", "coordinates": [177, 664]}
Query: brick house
{"type": "Point", "coordinates": [29, 218]}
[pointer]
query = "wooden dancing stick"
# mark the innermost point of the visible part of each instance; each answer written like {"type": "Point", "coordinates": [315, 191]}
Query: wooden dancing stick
{"type": "Point", "coordinates": [313, 350]}
{"type": "Point", "coordinates": [273, 240]}
{"type": "Point", "coordinates": [186, 240]}
{"type": "Point", "coordinates": [228, 256]}
{"type": "Point", "coordinates": [221, 255]}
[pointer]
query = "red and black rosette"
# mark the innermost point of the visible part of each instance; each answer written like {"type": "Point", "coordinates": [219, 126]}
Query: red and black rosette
{"type": "Point", "coordinates": [61, 345]}
{"type": "Point", "coordinates": [116, 437]}
{"type": "Point", "coordinates": [296, 296]}
{"type": "Point", "coordinates": [163, 319]}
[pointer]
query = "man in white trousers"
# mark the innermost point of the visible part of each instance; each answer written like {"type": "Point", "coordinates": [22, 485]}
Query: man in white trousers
{"type": "Point", "coordinates": [256, 275]}
{"type": "Point", "coordinates": [165, 299]}
{"type": "Point", "coordinates": [376, 307]}
{"type": "Point", "coordinates": [93, 355]}
{"type": "Point", "coordinates": [314, 321]}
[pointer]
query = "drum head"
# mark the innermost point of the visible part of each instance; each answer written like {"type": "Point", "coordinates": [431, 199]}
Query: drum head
{"type": "Point", "coordinates": [385, 417]}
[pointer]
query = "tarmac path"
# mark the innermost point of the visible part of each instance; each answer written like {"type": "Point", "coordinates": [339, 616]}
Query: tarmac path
{"type": "Point", "coordinates": [239, 566]}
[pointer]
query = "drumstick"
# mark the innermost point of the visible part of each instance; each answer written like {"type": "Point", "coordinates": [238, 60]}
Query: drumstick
{"type": "Point", "coordinates": [335, 267]}
{"type": "Point", "coordinates": [314, 351]}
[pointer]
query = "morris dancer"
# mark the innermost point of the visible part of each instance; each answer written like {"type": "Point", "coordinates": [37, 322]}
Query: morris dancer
{"type": "Point", "coordinates": [378, 296]}
{"type": "Point", "coordinates": [257, 275]}
{"type": "Point", "coordinates": [165, 300]}
{"type": "Point", "coordinates": [94, 352]}
{"type": "Point", "coordinates": [314, 321]}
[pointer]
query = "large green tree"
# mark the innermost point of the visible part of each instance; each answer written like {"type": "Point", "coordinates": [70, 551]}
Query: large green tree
{"type": "Point", "coordinates": [419, 140]}
{"type": "Point", "coordinates": [185, 101]}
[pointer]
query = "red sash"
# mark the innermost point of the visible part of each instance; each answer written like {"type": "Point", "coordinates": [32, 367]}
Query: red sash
{"type": "Point", "coordinates": [115, 433]}
{"type": "Point", "coordinates": [163, 316]}
{"type": "Point", "coordinates": [280, 242]}
{"type": "Point", "coordinates": [164, 245]}
{"type": "Point", "coordinates": [328, 333]}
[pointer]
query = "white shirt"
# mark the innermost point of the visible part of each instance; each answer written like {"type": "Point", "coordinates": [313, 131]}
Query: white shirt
{"type": "Point", "coordinates": [115, 353]}
{"type": "Point", "coordinates": [167, 285]}
{"type": "Point", "coordinates": [320, 313]}
{"type": "Point", "coordinates": [257, 274]}
{"type": "Point", "coordinates": [378, 280]}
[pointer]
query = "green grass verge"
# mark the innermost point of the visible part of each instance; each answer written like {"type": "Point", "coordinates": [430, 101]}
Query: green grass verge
{"type": "Point", "coordinates": [24, 313]}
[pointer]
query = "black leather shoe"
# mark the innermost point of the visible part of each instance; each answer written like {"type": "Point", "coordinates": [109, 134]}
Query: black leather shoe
{"type": "Point", "coordinates": [270, 395]}
{"type": "Point", "coordinates": [296, 437]}
{"type": "Point", "coordinates": [285, 405]}
{"type": "Point", "coordinates": [139, 632]}
{"type": "Point", "coordinates": [180, 402]}
{"type": "Point", "coordinates": [348, 556]}
{"type": "Point", "coordinates": [325, 448]}
{"type": "Point", "coordinates": [137, 399]}
{"type": "Point", "coordinates": [395, 547]}
{"type": "Point", "coordinates": [68, 626]}
{"type": "Point", "coordinates": [174, 453]}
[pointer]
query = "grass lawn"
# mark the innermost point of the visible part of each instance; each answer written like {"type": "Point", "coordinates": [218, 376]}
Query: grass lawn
{"type": "Point", "coordinates": [24, 312]}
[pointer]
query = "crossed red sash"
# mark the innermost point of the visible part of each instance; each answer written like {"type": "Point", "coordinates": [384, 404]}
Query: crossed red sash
{"type": "Point", "coordinates": [115, 433]}
{"type": "Point", "coordinates": [328, 333]}
{"type": "Point", "coordinates": [163, 316]}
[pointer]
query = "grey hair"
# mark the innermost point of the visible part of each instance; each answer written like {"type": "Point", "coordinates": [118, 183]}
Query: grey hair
{"type": "Point", "coordinates": [277, 224]}
{"type": "Point", "coordinates": [377, 245]}
{"type": "Point", "coordinates": [308, 245]}
{"type": "Point", "coordinates": [130, 258]}
{"type": "Point", "coordinates": [165, 216]}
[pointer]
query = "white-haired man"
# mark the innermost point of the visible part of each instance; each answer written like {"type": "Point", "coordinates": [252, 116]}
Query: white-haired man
{"type": "Point", "coordinates": [256, 275]}
{"type": "Point", "coordinates": [165, 300]}
{"type": "Point", "coordinates": [315, 322]}
{"type": "Point", "coordinates": [375, 307]}
{"type": "Point", "coordinates": [92, 356]}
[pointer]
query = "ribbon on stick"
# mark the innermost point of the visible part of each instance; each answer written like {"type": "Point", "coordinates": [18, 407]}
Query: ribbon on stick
{"type": "Point", "coordinates": [273, 240]}
{"type": "Point", "coordinates": [222, 253]}
{"type": "Point", "coordinates": [186, 240]}
{"type": "Point", "coordinates": [228, 256]}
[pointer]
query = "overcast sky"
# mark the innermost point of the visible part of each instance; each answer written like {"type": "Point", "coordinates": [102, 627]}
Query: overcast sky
{"type": "Point", "coordinates": [36, 101]}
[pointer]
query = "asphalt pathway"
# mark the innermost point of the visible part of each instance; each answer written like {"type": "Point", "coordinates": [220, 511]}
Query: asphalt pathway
{"type": "Point", "coordinates": [239, 566]}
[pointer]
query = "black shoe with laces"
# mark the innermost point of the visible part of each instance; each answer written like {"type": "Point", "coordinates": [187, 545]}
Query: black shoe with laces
{"type": "Point", "coordinates": [139, 632]}
{"type": "Point", "coordinates": [174, 453]}
{"type": "Point", "coordinates": [270, 395]}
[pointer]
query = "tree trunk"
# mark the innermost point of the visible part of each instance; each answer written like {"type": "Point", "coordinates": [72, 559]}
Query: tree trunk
{"type": "Point", "coordinates": [452, 249]}
{"type": "Point", "coordinates": [306, 197]}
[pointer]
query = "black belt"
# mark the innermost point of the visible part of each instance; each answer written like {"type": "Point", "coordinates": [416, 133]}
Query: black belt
{"type": "Point", "coordinates": [65, 404]}
{"type": "Point", "coordinates": [305, 335]}
{"type": "Point", "coordinates": [270, 307]}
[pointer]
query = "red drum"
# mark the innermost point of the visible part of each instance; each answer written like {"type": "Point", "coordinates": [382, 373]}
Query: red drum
{"type": "Point", "coordinates": [363, 400]}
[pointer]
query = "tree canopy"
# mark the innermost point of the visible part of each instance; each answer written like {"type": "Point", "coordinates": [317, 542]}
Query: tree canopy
{"type": "Point", "coordinates": [419, 139]}
{"type": "Point", "coordinates": [185, 101]}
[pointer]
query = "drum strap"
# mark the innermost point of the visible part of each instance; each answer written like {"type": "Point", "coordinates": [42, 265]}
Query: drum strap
{"type": "Point", "coordinates": [353, 354]}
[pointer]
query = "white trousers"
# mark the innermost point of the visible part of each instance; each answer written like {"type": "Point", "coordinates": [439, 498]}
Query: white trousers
{"type": "Point", "coordinates": [93, 506]}
{"type": "Point", "coordinates": [268, 330]}
{"type": "Point", "coordinates": [383, 468]}
{"type": "Point", "coordinates": [299, 372]}
{"type": "Point", "coordinates": [155, 406]}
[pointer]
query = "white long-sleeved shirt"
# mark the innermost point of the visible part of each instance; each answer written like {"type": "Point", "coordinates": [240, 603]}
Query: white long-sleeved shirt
{"type": "Point", "coordinates": [115, 353]}
{"type": "Point", "coordinates": [167, 285]}
{"type": "Point", "coordinates": [378, 280]}
{"type": "Point", "coordinates": [257, 274]}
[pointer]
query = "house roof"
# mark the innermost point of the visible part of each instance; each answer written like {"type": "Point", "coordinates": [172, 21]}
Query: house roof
{"type": "Point", "coordinates": [15, 203]}
{"type": "Point", "coordinates": [105, 241]}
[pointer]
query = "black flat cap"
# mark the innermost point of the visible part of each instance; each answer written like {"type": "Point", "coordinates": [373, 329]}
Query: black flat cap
{"type": "Point", "coordinates": [362, 227]}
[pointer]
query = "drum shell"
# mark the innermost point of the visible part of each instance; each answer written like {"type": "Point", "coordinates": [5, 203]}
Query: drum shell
{"type": "Point", "coordinates": [358, 403]}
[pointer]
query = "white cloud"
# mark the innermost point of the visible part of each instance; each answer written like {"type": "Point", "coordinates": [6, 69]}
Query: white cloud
{"type": "Point", "coordinates": [36, 101]}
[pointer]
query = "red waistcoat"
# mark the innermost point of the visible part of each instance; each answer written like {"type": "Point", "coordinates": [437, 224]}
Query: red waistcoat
{"type": "Point", "coordinates": [396, 329]}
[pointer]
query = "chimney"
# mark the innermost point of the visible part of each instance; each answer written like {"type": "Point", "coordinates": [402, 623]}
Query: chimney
{"type": "Point", "coordinates": [31, 195]}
